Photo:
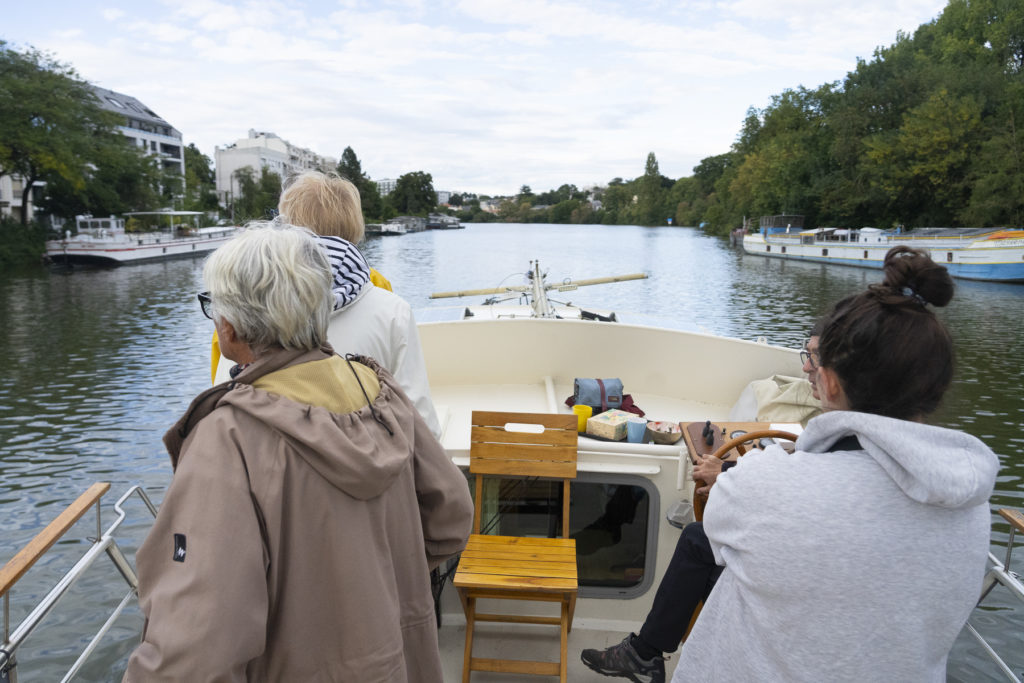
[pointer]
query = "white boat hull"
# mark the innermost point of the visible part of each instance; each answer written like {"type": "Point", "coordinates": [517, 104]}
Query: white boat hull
{"type": "Point", "coordinates": [529, 365]}
{"type": "Point", "coordinates": [1000, 260]}
{"type": "Point", "coordinates": [140, 248]}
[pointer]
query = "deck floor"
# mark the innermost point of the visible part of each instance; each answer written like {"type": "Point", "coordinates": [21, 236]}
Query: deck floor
{"type": "Point", "coordinates": [530, 642]}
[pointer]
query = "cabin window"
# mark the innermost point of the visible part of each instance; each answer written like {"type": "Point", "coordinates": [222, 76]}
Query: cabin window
{"type": "Point", "coordinates": [613, 518]}
{"type": "Point", "coordinates": [949, 257]}
{"type": "Point", "coordinates": [865, 253]}
{"type": "Point", "coordinates": [768, 247]}
{"type": "Point", "coordinates": [824, 252]}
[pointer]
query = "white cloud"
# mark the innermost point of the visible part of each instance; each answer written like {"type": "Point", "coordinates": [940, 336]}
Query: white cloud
{"type": "Point", "coordinates": [485, 94]}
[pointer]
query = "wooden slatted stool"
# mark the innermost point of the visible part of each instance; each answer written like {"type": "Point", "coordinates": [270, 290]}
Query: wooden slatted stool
{"type": "Point", "coordinates": [517, 567]}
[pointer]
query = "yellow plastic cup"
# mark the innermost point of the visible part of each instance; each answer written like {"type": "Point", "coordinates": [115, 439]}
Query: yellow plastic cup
{"type": "Point", "coordinates": [583, 414]}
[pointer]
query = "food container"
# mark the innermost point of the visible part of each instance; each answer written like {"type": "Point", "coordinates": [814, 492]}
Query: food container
{"type": "Point", "coordinates": [661, 432]}
{"type": "Point", "coordinates": [611, 424]}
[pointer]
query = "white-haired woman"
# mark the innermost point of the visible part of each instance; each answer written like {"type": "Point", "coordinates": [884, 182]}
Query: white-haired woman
{"type": "Point", "coordinates": [308, 503]}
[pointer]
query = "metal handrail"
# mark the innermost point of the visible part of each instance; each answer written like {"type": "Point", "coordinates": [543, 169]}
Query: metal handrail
{"type": "Point", "coordinates": [105, 543]}
{"type": "Point", "coordinates": [1001, 575]}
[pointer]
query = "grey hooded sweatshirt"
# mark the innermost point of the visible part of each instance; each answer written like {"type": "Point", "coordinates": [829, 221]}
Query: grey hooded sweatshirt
{"type": "Point", "coordinates": [858, 565]}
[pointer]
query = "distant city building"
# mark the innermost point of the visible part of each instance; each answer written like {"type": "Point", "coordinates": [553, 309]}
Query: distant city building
{"type": "Point", "coordinates": [145, 129]}
{"type": "Point", "coordinates": [385, 186]}
{"type": "Point", "coordinates": [263, 150]}
{"type": "Point", "coordinates": [443, 196]}
{"type": "Point", "coordinates": [491, 205]}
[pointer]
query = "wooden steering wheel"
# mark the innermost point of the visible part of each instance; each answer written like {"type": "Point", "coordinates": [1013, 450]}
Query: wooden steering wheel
{"type": "Point", "coordinates": [701, 499]}
{"type": "Point", "coordinates": [757, 435]}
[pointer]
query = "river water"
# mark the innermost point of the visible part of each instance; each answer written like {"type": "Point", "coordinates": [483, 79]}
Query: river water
{"type": "Point", "coordinates": [97, 364]}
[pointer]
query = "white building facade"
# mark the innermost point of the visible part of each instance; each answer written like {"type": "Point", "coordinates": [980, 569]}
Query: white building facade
{"type": "Point", "coordinates": [146, 129]}
{"type": "Point", "coordinates": [385, 186]}
{"type": "Point", "coordinates": [11, 193]}
{"type": "Point", "coordinates": [263, 150]}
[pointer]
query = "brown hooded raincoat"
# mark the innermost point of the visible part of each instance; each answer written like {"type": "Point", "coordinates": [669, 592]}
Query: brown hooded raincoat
{"type": "Point", "coordinates": [295, 540]}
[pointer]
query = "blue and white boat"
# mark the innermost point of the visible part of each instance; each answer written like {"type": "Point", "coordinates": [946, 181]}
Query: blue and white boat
{"type": "Point", "coordinates": [995, 254]}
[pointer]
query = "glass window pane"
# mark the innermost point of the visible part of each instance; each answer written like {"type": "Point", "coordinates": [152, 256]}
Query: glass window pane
{"type": "Point", "coordinates": [611, 523]}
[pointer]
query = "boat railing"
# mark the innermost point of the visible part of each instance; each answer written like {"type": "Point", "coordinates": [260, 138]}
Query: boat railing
{"type": "Point", "coordinates": [104, 542]}
{"type": "Point", "coordinates": [999, 574]}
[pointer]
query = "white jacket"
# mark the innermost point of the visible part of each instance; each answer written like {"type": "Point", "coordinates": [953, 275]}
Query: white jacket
{"type": "Point", "coordinates": [855, 565]}
{"type": "Point", "coordinates": [380, 324]}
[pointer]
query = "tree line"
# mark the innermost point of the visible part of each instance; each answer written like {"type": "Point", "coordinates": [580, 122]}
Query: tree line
{"type": "Point", "coordinates": [928, 132]}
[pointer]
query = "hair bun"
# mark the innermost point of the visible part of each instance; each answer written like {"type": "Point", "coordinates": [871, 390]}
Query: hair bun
{"type": "Point", "coordinates": [912, 272]}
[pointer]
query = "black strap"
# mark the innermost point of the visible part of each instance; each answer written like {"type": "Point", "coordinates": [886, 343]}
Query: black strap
{"type": "Point", "coordinates": [846, 443]}
{"type": "Point", "coordinates": [369, 403]}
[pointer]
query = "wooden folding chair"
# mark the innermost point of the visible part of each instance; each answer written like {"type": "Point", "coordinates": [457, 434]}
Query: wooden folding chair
{"type": "Point", "coordinates": [519, 567]}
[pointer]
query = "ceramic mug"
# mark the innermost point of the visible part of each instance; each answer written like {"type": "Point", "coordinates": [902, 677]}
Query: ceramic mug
{"type": "Point", "coordinates": [636, 429]}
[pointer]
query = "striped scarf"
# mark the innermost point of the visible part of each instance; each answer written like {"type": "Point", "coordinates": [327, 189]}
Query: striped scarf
{"type": "Point", "coordinates": [350, 270]}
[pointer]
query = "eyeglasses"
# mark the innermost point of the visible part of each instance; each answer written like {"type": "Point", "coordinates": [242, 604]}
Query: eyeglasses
{"type": "Point", "coordinates": [204, 303]}
{"type": "Point", "coordinates": [808, 357]}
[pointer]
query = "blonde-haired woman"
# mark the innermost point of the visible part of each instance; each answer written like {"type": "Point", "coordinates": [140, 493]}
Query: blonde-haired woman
{"type": "Point", "coordinates": [308, 502]}
{"type": "Point", "coordinates": [368, 318]}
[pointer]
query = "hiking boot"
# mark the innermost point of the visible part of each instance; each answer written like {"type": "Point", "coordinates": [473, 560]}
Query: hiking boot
{"type": "Point", "coordinates": [622, 660]}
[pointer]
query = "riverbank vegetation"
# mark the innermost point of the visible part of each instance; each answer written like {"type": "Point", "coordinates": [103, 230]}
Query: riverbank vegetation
{"type": "Point", "coordinates": [929, 132]}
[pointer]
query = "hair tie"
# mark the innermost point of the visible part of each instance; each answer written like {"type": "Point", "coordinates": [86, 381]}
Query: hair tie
{"type": "Point", "coordinates": [907, 291]}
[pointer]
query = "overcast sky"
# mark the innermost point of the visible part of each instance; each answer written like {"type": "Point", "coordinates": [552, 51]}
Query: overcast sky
{"type": "Point", "coordinates": [486, 95]}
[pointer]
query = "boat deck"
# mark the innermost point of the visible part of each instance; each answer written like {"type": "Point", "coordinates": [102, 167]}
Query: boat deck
{"type": "Point", "coordinates": [514, 641]}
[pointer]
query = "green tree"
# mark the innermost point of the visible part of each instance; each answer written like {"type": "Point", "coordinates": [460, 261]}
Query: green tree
{"type": "Point", "coordinates": [414, 193]}
{"type": "Point", "coordinates": [651, 194]}
{"type": "Point", "coordinates": [351, 169]}
{"type": "Point", "coordinates": [52, 125]}
{"type": "Point", "coordinates": [121, 178]}
{"type": "Point", "coordinates": [257, 196]}
{"type": "Point", "coordinates": [562, 212]}
{"type": "Point", "coordinates": [997, 173]}
{"type": "Point", "coordinates": [200, 182]}
{"type": "Point", "coordinates": [922, 166]}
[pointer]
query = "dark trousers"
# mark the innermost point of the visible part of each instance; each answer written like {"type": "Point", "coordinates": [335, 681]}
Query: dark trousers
{"type": "Point", "coordinates": [689, 578]}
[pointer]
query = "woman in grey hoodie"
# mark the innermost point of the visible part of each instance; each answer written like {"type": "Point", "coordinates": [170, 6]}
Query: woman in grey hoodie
{"type": "Point", "coordinates": [860, 556]}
